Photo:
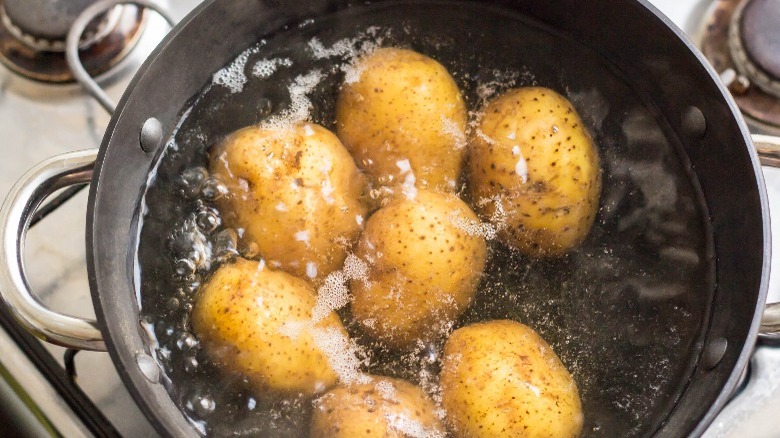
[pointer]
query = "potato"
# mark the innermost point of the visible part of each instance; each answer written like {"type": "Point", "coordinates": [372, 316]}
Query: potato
{"type": "Point", "coordinates": [384, 407]}
{"type": "Point", "coordinates": [534, 171]}
{"type": "Point", "coordinates": [499, 378]}
{"type": "Point", "coordinates": [243, 316]}
{"type": "Point", "coordinates": [424, 263]}
{"type": "Point", "coordinates": [403, 118]}
{"type": "Point", "coordinates": [295, 192]}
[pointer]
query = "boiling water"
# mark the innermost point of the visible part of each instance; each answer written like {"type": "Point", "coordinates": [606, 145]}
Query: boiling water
{"type": "Point", "coordinates": [624, 312]}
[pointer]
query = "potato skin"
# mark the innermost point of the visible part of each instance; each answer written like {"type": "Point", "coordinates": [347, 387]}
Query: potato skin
{"type": "Point", "coordinates": [500, 378]}
{"type": "Point", "coordinates": [423, 268]}
{"type": "Point", "coordinates": [362, 410]}
{"type": "Point", "coordinates": [404, 106]}
{"type": "Point", "coordinates": [239, 316]}
{"type": "Point", "coordinates": [552, 210]}
{"type": "Point", "coordinates": [297, 194]}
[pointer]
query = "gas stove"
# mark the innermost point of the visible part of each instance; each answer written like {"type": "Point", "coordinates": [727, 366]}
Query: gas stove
{"type": "Point", "coordinates": [49, 115]}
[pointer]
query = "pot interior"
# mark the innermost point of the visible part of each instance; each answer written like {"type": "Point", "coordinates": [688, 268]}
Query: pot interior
{"type": "Point", "coordinates": [628, 312]}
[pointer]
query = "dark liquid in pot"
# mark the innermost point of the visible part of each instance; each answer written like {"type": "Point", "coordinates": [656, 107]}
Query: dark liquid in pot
{"type": "Point", "coordinates": [625, 311]}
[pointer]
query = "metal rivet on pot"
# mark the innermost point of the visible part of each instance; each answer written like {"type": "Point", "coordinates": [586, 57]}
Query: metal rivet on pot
{"type": "Point", "coordinates": [148, 367]}
{"type": "Point", "coordinates": [151, 135]}
{"type": "Point", "coordinates": [714, 353]}
{"type": "Point", "coordinates": [694, 123]}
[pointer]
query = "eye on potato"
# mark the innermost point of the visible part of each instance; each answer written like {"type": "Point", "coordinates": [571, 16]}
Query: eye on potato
{"type": "Point", "coordinates": [424, 264]}
{"type": "Point", "coordinates": [500, 378]}
{"type": "Point", "coordinates": [240, 315]}
{"type": "Point", "coordinates": [384, 407]}
{"type": "Point", "coordinates": [534, 171]}
{"type": "Point", "coordinates": [297, 194]}
{"type": "Point", "coordinates": [403, 116]}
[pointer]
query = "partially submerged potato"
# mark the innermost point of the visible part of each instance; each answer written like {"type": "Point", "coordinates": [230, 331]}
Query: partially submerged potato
{"type": "Point", "coordinates": [425, 260]}
{"type": "Point", "coordinates": [244, 316]}
{"type": "Point", "coordinates": [297, 194]}
{"type": "Point", "coordinates": [403, 119]}
{"type": "Point", "coordinates": [500, 378]}
{"type": "Point", "coordinates": [534, 171]}
{"type": "Point", "coordinates": [383, 407]}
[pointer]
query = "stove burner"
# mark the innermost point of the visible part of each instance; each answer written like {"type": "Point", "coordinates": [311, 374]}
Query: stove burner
{"type": "Point", "coordinates": [754, 41]}
{"type": "Point", "coordinates": [107, 41]}
{"type": "Point", "coordinates": [741, 39]}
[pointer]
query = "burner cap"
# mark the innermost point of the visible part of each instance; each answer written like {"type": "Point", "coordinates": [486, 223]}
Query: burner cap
{"type": "Point", "coordinates": [754, 41]}
{"type": "Point", "coordinates": [741, 39]}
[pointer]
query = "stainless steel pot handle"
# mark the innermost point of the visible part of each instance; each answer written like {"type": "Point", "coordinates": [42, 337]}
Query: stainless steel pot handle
{"type": "Point", "coordinates": [24, 199]}
{"type": "Point", "coordinates": [768, 148]}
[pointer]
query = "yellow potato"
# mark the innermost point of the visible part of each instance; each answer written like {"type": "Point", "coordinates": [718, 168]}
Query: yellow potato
{"type": "Point", "coordinates": [534, 171]}
{"type": "Point", "coordinates": [249, 318]}
{"type": "Point", "coordinates": [499, 378]}
{"type": "Point", "coordinates": [425, 259]}
{"type": "Point", "coordinates": [384, 407]}
{"type": "Point", "coordinates": [297, 194]}
{"type": "Point", "coordinates": [403, 116]}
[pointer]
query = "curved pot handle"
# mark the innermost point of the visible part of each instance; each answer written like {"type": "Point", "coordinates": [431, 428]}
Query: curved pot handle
{"type": "Point", "coordinates": [24, 199]}
{"type": "Point", "coordinates": [768, 148]}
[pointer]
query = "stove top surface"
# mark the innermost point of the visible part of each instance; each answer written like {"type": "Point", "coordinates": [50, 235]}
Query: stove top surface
{"type": "Point", "coordinates": [38, 121]}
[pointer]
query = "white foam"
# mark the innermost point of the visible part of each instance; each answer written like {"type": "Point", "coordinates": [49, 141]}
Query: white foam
{"type": "Point", "coordinates": [484, 137]}
{"type": "Point", "coordinates": [311, 269]}
{"type": "Point", "coordinates": [355, 268]}
{"type": "Point", "coordinates": [408, 426]}
{"type": "Point", "coordinates": [350, 49]}
{"type": "Point", "coordinates": [404, 166]}
{"type": "Point", "coordinates": [332, 295]}
{"type": "Point", "coordinates": [473, 227]}
{"type": "Point", "coordinates": [499, 216]}
{"type": "Point", "coordinates": [327, 191]}
{"type": "Point", "coordinates": [265, 68]}
{"type": "Point", "coordinates": [232, 76]}
{"type": "Point", "coordinates": [521, 168]}
{"type": "Point", "coordinates": [453, 130]}
{"type": "Point", "coordinates": [408, 187]}
{"type": "Point", "coordinates": [342, 355]}
{"type": "Point", "coordinates": [386, 390]}
{"type": "Point", "coordinates": [300, 105]}
{"type": "Point", "coordinates": [302, 236]}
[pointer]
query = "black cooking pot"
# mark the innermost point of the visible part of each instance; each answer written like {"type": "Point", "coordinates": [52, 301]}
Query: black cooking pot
{"type": "Point", "coordinates": [640, 43]}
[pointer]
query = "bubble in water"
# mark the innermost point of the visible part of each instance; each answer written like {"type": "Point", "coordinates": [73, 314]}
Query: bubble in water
{"type": "Point", "coordinates": [208, 220]}
{"type": "Point", "coordinates": [212, 189]}
{"type": "Point", "coordinates": [226, 245]}
{"type": "Point", "coordinates": [264, 107]}
{"type": "Point", "coordinates": [172, 303]}
{"type": "Point", "coordinates": [205, 406]}
{"type": "Point", "coordinates": [190, 364]}
{"type": "Point", "coordinates": [185, 268]}
{"type": "Point", "coordinates": [192, 179]}
{"type": "Point", "coordinates": [187, 342]}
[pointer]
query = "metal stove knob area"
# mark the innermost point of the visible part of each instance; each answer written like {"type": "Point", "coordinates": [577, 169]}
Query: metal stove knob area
{"type": "Point", "coordinates": [741, 39]}
{"type": "Point", "coordinates": [33, 34]}
{"type": "Point", "coordinates": [754, 43]}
